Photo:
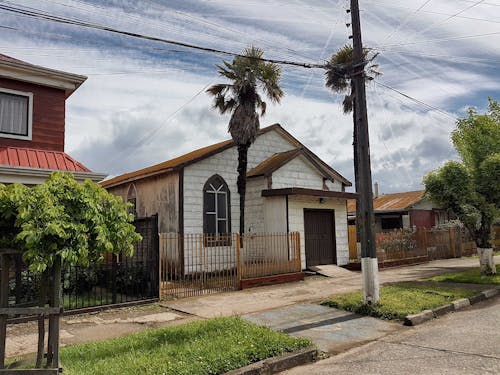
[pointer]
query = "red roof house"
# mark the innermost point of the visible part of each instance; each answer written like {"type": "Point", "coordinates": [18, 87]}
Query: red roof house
{"type": "Point", "coordinates": [32, 123]}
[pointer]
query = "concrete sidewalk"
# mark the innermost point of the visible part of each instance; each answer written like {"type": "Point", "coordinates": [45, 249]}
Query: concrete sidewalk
{"type": "Point", "coordinates": [21, 338]}
{"type": "Point", "coordinates": [313, 288]}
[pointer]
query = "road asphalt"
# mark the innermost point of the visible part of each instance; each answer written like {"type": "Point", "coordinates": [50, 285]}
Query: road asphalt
{"type": "Point", "coordinates": [465, 342]}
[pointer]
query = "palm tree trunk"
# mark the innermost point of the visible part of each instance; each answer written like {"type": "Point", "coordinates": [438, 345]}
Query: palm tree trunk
{"type": "Point", "coordinates": [242, 184]}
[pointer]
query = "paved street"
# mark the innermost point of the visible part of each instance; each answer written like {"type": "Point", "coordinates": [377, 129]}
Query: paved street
{"type": "Point", "coordinates": [466, 342]}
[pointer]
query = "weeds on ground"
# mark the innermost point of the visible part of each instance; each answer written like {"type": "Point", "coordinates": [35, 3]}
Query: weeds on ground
{"type": "Point", "coordinates": [472, 276]}
{"type": "Point", "coordinates": [400, 299]}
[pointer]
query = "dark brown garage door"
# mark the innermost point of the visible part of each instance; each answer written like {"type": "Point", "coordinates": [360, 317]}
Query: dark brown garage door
{"type": "Point", "coordinates": [319, 231]}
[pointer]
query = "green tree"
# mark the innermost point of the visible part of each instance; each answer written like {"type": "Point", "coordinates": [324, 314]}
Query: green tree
{"type": "Point", "coordinates": [62, 223]}
{"type": "Point", "coordinates": [470, 188]}
{"type": "Point", "coordinates": [64, 220]}
{"type": "Point", "coordinates": [248, 75]}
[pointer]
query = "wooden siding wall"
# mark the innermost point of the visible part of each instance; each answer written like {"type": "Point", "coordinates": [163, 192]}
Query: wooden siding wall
{"type": "Point", "coordinates": [48, 117]}
{"type": "Point", "coordinates": [158, 194]}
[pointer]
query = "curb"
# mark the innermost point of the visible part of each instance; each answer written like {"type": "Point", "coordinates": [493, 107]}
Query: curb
{"type": "Point", "coordinates": [416, 319]}
{"type": "Point", "coordinates": [277, 364]}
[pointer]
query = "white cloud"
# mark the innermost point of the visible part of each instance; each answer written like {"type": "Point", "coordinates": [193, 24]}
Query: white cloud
{"type": "Point", "coordinates": [139, 105]}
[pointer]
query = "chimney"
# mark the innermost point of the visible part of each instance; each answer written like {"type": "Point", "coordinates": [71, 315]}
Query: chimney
{"type": "Point", "coordinates": [375, 190]}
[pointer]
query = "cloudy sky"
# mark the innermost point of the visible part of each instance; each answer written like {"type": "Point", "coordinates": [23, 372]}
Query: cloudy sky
{"type": "Point", "coordinates": [145, 102]}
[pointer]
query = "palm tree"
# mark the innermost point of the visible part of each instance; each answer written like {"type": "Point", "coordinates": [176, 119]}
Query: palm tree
{"type": "Point", "coordinates": [247, 74]}
{"type": "Point", "coordinates": [339, 70]}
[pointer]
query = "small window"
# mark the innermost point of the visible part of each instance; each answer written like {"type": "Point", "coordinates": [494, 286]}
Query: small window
{"type": "Point", "coordinates": [216, 212]}
{"type": "Point", "coordinates": [390, 223]}
{"type": "Point", "coordinates": [15, 114]}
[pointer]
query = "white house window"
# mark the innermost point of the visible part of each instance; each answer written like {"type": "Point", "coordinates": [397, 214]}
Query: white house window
{"type": "Point", "coordinates": [216, 210]}
{"type": "Point", "coordinates": [15, 114]}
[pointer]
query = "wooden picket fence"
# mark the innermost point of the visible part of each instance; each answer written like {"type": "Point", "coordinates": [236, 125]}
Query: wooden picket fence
{"type": "Point", "coordinates": [197, 264]}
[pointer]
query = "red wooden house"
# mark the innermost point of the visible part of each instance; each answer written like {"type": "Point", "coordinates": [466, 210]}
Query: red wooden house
{"type": "Point", "coordinates": [32, 123]}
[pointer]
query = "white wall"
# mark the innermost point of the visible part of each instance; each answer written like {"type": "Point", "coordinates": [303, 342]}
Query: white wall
{"type": "Point", "coordinates": [296, 207]}
{"type": "Point", "coordinates": [334, 186]}
{"type": "Point", "coordinates": [224, 164]}
{"type": "Point", "coordinates": [275, 214]}
{"type": "Point", "coordinates": [297, 173]}
{"type": "Point", "coordinates": [254, 205]}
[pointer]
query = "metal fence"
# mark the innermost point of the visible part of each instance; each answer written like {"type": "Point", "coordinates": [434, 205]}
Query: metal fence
{"type": "Point", "coordinates": [269, 254]}
{"type": "Point", "coordinates": [119, 279]}
{"type": "Point", "coordinates": [197, 264]}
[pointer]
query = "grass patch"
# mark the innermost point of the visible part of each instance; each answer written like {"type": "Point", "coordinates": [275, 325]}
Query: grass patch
{"type": "Point", "coordinates": [472, 276]}
{"type": "Point", "coordinates": [206, 347]}
{"type": "Point", "coordinates": [401, 299]}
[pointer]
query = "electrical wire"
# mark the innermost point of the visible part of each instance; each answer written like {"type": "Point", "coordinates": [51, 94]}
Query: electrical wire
{"type": "Point", "coordinates": [416, 100]}
{"type": "Point", "coordinates": [48, 17]}
{"type": "Point", "coordinates": [153, 132]}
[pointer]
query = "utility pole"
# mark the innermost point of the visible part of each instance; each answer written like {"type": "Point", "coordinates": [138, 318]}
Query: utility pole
{"type": "Point", "coordinates": [365, 217]}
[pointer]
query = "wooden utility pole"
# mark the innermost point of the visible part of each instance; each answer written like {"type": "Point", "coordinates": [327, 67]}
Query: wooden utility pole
{"type": "Point", "coordinates": [365, 219]}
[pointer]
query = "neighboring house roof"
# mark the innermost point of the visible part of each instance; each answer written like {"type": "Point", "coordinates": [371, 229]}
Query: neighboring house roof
{"type": "Point", "coordinates": [33, 166]}
{"type": "Point", "coordinates": [202, 153]}
{"type": "Point", "coordinates": [41, 159]}
{"type": "Point", "coordinates": [268, 166]}
{"type": "Point", "coordinates": [392, 202]}
{"type": "Point", "coordinates": [18, 70]}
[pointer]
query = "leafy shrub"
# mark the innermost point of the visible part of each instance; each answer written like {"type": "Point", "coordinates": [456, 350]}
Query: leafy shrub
{"type": "Point", "coordinates": [398, 240]}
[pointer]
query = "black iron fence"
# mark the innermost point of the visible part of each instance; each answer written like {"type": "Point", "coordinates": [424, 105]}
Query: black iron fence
{"type": "Point", "coordinates": [117, 280]}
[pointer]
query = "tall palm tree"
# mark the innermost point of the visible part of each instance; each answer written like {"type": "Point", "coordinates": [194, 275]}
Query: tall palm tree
{"type": "Point", "coordinates": [248, 74]}
{"type": "Point", "coordinates": [339, 70]}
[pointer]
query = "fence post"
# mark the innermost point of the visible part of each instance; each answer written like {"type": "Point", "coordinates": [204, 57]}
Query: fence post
{"type": "Point", "coordinates": [155, 270]}
{"type": "Point", "coordinates": [451, 242]}
{"type": "Point", "coordinates": [298, 250]}
{"type": "Point", "coordinates": [4, 302]}
{"type": "Point", "coordinates": [113, 279]}
{"type": "Point", "coordinates": [239, 264]}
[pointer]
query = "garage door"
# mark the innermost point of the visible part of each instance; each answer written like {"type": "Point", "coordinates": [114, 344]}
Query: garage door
{"type": "Point", "coordinates": [319, 232]}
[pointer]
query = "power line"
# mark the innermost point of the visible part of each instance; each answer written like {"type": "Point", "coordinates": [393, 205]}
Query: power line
{"type": "Point", "coordinates": [416, 100]}
{"type": "Point", "coordinates": [447, 58]}
{"type": "Point", "coordinates": [153, 132]}
{"type": "Point", "coordinates": [451, 16]}
{"type": "Point", "coordinates": [437, 40]}
{"type": "Point", "coordinates": [405, 21]}
{"type": "Point", "coordinates": [48, 17]}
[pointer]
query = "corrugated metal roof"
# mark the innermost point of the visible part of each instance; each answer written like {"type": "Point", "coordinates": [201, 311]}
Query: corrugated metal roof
{"type": "Point", "coordinates": [171, 164]}
{"type": "Point", "coordinates": [392, 202]}
{"type": "Point", "coordinates": [194, 156]}
{"type": "Point", "coordinates": [272, 163]}
{"type": "Point", "coordinates": [40, 159]}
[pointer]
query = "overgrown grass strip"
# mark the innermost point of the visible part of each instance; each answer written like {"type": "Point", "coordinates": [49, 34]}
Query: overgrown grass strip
{"type": "Point", "coordinates": [472, 276]}
{"type": "Point", "coordinates": [205, 347]}
{"type": "Point", "coordinates": [401, 299]}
